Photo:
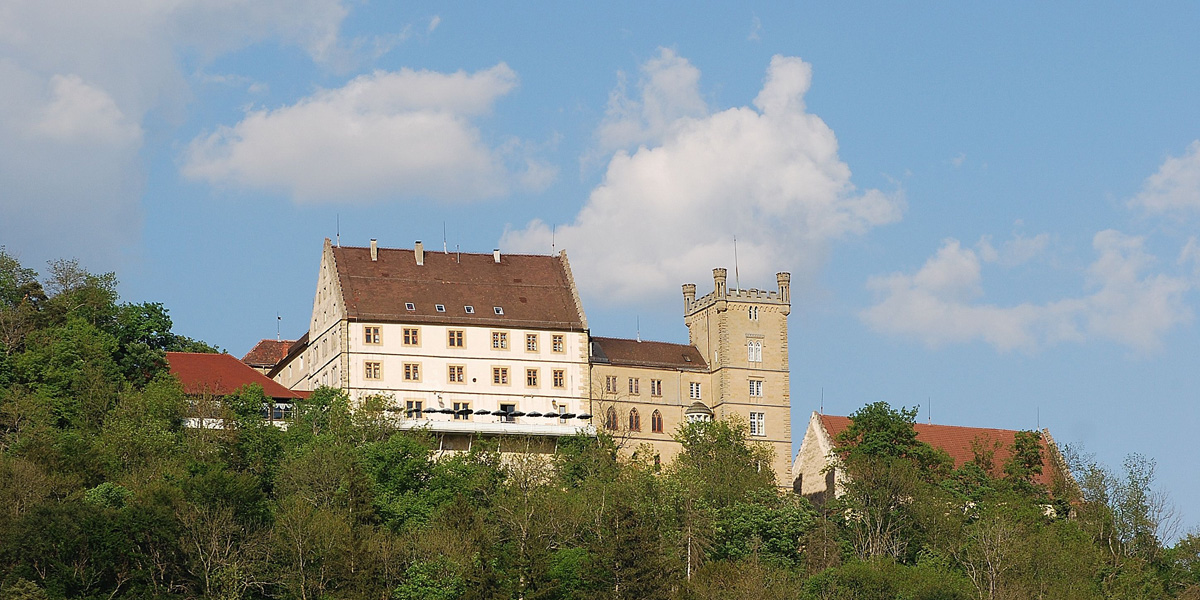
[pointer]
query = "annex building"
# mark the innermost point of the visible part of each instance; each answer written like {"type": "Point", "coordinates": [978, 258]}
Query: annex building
{"type": "Point", "coordinates": [473, 345]}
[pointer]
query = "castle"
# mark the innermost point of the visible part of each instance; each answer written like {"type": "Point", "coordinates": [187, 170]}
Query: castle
{"type": "Point", "coordinates": [472, 345]}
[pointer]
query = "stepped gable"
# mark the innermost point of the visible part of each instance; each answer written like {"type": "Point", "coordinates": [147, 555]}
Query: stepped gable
{"type": "Point", "coordinates": [533, 291]}
{"type": "Point", "coordinates": [221, 375]}
{"type": "Point", "coordinates": [956, 441]}
{"type": "Point", "coordinates": [267, 353]}
{"type": "Point", "coordinates": [634, 353]}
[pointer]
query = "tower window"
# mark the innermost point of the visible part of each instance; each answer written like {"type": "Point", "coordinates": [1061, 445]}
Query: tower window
{"type": "Point", "coordinates": [753, 313]}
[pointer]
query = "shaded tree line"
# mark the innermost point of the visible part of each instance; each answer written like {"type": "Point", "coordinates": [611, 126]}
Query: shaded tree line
{"type": "Point", "coordinates": [105, 494]}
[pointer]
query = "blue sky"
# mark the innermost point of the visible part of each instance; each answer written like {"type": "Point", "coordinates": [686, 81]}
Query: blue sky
{"type": "Point", "coordinates": [989, 212]}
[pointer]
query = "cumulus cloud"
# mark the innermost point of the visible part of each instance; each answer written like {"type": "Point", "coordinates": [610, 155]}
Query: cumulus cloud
{"type": "Point", "coordinates": [1175, 187]}
{"type": "Point", "coordinates": [668, 211]}
{"type": "Point", "coordinates": [668, 94]}
{"type": "Point", "coordinates": [1013, 252]}
{"type": "Point", "coordinates": [940, 303]}
{"type": "Point", "coordinates": [404, 133]}
{"type": "Point", "coordinates": [76, 83]}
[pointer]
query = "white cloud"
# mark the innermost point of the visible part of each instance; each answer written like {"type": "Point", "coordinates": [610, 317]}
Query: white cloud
{"type": "Point", "coordinates": [768, 174]}
{"type": "Point", "coordinates": [940, 303]}
{"type": "Point", "coordinates": [1175, 188]}
{"type": "Point", "coordinates": [433, 24]}
{"type": "Point", "coordinates": [958, 161]}
{"type": "Point", "coordinates": [403, 133]}
{"type": "Point", "coordinates": [77, 80]}
{"type": "Point", "coordinates": [1013, 252]}
{"type": "Point", "coordinates": [78, 111]}
{"type": "Point", "coordinates": [668, 95]}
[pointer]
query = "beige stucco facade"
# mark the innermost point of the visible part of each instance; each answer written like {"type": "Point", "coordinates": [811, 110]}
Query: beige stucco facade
{"type": "Point", "coordinates": [742, 336]}
{"type": "Point", "coordinates": [735, 365]}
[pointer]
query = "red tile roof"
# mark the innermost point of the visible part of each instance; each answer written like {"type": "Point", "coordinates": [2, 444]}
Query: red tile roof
{"type": "Point", "coordinates": [534, 291]}
{"type": "Point", "coordinates": [956, 441]}
{"type": "Point", "coordinates": [220, 375]}
{"type": "Point", "coordinates": [267, 353]}
{"type": "Point", "coordinates": [634, 353]}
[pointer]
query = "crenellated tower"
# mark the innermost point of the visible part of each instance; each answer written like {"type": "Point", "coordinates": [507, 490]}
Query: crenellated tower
{"type": "Point", "coordinates": [743, 335]}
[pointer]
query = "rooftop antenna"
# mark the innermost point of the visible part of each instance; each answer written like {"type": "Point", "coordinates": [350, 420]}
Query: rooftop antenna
{"type": "Point", "coordinates": [637, 319]}
{"type": "Point", "coordinates": [737, 281]}
{"type": "Point", "coordinates": [553, 228]}
{"type": "Point", "coordinates": [457, 254]}
{"type": "Point", "coordinates": [278, 320]}
{"type": "Point", "coordinates": [338, 227]}
{"type": "Point", "coordinates": [822, 399]}
{"type": "Point", "coordinates": [1039, 417]}
{"type": "Point", "coordinates": [929, 410]}
{"type": "Point", "coordinates": [444, 249]}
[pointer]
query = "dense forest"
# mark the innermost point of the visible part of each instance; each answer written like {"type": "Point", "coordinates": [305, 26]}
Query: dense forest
{"type": "Point", "coordinates": [105, 494]}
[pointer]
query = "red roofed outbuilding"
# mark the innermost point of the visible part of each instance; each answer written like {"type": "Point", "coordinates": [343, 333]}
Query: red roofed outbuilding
{"type": "Point", "coordinates": [267, 353]}
{"type": "Point", "coordinates": [205, 374]}
{"type": "Point", "coordinates": [813, 480]}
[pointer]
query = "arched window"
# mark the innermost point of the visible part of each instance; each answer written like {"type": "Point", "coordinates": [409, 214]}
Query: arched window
{"type": "Point", "coordinates": [656, 422]}
{"type": "Point", "coordinates": [635, 420]}
{"type": "Point", "coordinates": [610, 419]}
{"type": "Point", "coordinates": [754, 351]}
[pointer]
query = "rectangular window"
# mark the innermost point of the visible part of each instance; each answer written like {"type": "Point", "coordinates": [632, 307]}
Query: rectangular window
{"type": "Point", "coordinates": [756, 387]}
{"type": "Point", "coordinates": [500, 340]}
{"type": "Point", "coordinates": [500, 375]}
{"type": "Point", "coordinates": [557, 344]}
{"type": "Point", "coordinates": [694, 390]}
{"type": "Point", "coordinates": [562, 410]}
{"type": "Point", "coordinates": [412, 408]}
{"type": "Point", "coordinates": [455, 338]}
{"type": "Point", "coordinates": [371, 335]}
{"type": "Point", "coordinates": [508, 408]}
{"type": "Point", "coordinates": [470, 310]}
{"type": "Point", "coordinates": [439, 307]}
{"type": "Point", "coordinates": [656, 388]}
{"type": "Point", "coordinates": [531, 377]}
{"type": "Point", "coordinates": [459, 407]}
{"type": "Point", "coordinates": [373, 370]}
{"type": "Point", "coordinates": [758, 423]}
{"type": "Point", "coordinates": [456, 374]}
{"type": "Point", "coordinates": [560, 378]}
{"type": "Point", "coordinates": [412, 371]}
{"type": "Point", "coordinates": [412, 336]}
{"type": "Point", "coordinates": [531, 342]}
{"type": "Point", "coordinates": [634, 385]}
{"type": "Point", "coordinates": [610, 384]}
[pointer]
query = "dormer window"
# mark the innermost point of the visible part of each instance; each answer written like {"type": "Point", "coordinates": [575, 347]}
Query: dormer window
{"type": "Point", "coordinates": [470, 310]}
{"type": "Point", "coordinates": [410, 306]}
{"type": "Point", "coordinates": [499, 309]}
{"type": "Point", "coordinates": [439, 307]}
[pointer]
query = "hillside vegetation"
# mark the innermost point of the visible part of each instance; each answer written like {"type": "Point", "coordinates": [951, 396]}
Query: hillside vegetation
{"type": "Point", "coordinates": [105, 494]}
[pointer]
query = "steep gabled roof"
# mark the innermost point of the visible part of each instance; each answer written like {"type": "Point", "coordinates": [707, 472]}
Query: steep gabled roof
{"type": "Point", "coordinates": [956, 441]}
{"type": "Point", "coordinates": [533, 291]}
{"type": "Point", "coordinates": [635, 353]}
{"type": "Point", "coordinates": [267, 353]}
{"type": "Point", "coordinates": [220, 375]}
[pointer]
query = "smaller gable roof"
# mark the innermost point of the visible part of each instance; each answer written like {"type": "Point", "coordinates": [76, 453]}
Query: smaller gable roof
{"type": "Point", "coordinates": [956, 441]}
{"type": "Point", "coordinates": [636, 353]}
{"type": "Point", "coordinates": [220, 375]}
{"type": "Point", "coordinates": [267, 353]}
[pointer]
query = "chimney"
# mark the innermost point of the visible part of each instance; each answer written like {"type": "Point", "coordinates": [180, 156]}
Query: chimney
{"type": "Point", "coordinates": [689, 296]}
{"type": "Point", "coordinates": [496, 255]}
{"type": "Point", "coordinates": [785, 286]}
{"type": "Point", "coordinates": [719, 281]}
{"type": "Point", "coordinates": [374, 251]}
{"type": "Point", "coordinates": [419, 252]}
